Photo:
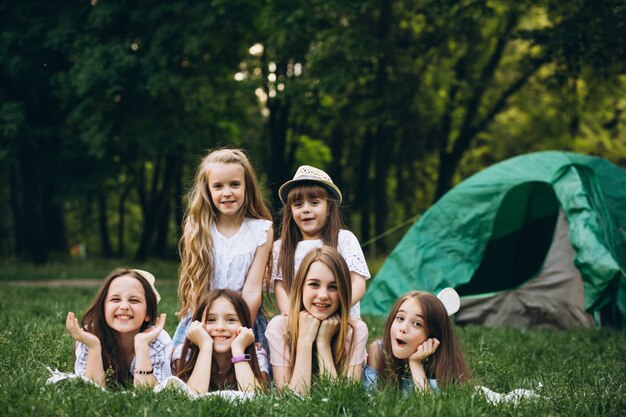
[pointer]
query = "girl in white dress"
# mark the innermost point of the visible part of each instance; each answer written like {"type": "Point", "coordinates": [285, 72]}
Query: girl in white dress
{"type": "Point", "coordinates": [121, 340]}
{"type": "Point", "coordinates": [227, 238]}
{"type": "Point", "coordinates": [311, 219]}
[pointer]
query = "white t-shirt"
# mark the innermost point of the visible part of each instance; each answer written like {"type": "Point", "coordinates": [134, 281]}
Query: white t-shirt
{"type": "Point", "coordinates": [348, 246]}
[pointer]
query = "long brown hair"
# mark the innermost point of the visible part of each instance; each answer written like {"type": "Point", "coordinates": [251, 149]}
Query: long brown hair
{"type": "Point", "coordinates": [115, 367]}
{"type": "Point", "coordinates": [447, 365]}
{"type": "Point", "coordinates": [197, 267]}
{"type": "Point", "coordinates": [190, 351]}
{"type": "Point", "coordinates": [291, 235]}
{"type": "Point", "coordinates": [333, 260]}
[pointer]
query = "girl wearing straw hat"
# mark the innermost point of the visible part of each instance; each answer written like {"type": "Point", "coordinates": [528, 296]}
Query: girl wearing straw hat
{"type": "Point", "coordinates": [311, 219]}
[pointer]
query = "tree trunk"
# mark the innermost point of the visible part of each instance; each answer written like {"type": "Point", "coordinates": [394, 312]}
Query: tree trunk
{"type": "Point", "coordinates": [55, 228]}
{"type": "Point", "coordinates": [121, 215]}
{"type": "Point", "coordinates": [363, 188]}
{"type": "Point", "coordinates": [281, 154]}
{"type": "Point", "coordinates": [31, 208]}
{"type": "Point", "coordinates": [171, 177]}
{"type": "Point", "coordinates": [103, 226]}
{"type": "Point", "coordinates": [18, 215]}
{"type": "Point", "coordinates": [155, 203]}
{"type": "Point", "coordinates": [380, 193]}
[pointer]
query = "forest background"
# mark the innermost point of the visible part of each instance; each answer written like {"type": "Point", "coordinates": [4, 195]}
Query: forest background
{"type": "Point", "coordinates": [106, 106]}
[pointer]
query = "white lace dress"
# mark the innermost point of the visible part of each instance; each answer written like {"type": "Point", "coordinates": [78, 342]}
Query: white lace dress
{"type": "Point", "coordinates": [348, 246]}
{"type": "Point", "coordinates": [233, 257]}
{"type": "Point", "coordinates": [160, 354]}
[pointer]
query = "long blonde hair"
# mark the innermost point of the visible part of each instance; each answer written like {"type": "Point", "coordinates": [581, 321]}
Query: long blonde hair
{"type": "Point", "coordinates": [333, 260]}
{"type": "Point", "coordinates": [197, 267]}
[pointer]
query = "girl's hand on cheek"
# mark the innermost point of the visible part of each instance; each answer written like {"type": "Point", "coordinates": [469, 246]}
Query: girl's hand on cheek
{"type": "Point", "coordinates": [151, 333]}
{"type": "Point", "coordinates": [308, 327]}
{"type": "Point", "coordinates": [426, 349]}
{"type": "Point", "coordinates": [328, 328]}
{"type": "Point", "coordinates": [79, 334]}
{"type": "Point", "coordinates": [198, 335]}
{"type": "Point", "coordinates": [245, 337]}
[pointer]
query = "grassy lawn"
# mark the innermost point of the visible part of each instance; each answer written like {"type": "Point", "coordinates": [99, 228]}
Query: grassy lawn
{"type": "Point", "coordinates": [582, 372]}
{"type": "Point", "coordinates": [12, 270]}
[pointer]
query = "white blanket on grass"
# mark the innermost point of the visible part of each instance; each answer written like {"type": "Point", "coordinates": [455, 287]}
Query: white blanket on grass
{"type": "Point", "coordinates": [171, 382]}
{"type": "Point", "coordinates": [512, 397]}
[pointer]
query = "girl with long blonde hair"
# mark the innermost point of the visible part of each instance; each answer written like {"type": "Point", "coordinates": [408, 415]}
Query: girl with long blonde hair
{"type": "Point", "coordinates": [318, 335]}
{"type": "Point", "coordinates": [227, 238]}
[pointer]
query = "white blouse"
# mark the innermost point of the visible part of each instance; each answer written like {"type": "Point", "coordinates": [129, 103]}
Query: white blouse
{"type": "Point", "coordinates": [160, 354]}
{"type": "Point", "coordinates": [234, 255]}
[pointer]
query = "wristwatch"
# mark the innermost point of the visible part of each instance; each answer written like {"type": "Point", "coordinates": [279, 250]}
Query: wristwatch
{"type": "Point", "coordinates": [240, 358]}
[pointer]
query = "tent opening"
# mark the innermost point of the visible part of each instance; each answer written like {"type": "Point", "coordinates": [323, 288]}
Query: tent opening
{"type": "Point", "coordinates": [520, 239]}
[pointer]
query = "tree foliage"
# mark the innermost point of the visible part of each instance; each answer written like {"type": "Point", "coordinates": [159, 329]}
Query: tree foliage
{"type": "Point", "coordinates": [107, 106]}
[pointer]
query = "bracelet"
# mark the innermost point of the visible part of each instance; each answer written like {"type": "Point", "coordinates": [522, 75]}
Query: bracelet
{"type": "Point", "coordinates": [138, 372]}
{"type": "Point", "coordinates": [240, 358]}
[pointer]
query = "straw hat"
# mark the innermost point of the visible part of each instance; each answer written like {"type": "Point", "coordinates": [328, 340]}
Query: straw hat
{"type": "Point", "coordinates": [309, 174]}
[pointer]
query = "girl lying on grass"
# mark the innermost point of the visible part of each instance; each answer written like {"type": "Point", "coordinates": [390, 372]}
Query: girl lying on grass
{"type": "Point", "coordinates": [120, 338]}
{"type": "Point", "coordinates": [419, 349]}
{"type": "Point", "coordinates": [318, 336]}
{"type": "Point", "coordinates": [218, 352]}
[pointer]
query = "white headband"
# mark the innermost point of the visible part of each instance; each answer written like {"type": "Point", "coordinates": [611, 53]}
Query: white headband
{"type": "Point", "coordinates": [150, 278]}
{"type": "Point", "coordinates": [450, 300]}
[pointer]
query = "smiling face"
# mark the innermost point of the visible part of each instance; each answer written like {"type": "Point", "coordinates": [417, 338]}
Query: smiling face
{"type": "Point", "coordinates": [125, 305]}
{"type": "Point", "coordinates": [222, 324]}
{"type": "Point", "coordinates": [408, 329]}
{"type": "Point", "coordinates": [319, 294]}
{"type": "Point", "coordinates": [228, 188]}
{"type": "Point", "coordinates": [310, 215]}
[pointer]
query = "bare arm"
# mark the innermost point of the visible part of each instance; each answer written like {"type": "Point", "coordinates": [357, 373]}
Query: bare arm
{"type": "Point", "coordinates": [325, 334]}
{"type": "Point", "coordinates": [373, 355]}
{"type": "Point", "coordinates": [358, 339]}
{"type": "Point", "coordinates": [300, 380]}
{"type": "Point", "coordinates": [201, 375]}
{"type": "Point", "coordinates": [143, 362]}
{"type": "Point", "coordinates": [246, 380]}
{"type": "Point", "coordinates": [282, 298]}
{"type": "Point", "coordinates": [358, 287]}
{"type": "Point", "coordinates": [416, 363]}
{"type": "Point", "coordinates": [252, 290]}
{"type": "Point", "coordinates": [94, 370]}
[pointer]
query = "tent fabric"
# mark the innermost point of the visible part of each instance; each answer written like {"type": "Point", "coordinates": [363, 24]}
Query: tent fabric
{"type": "Point", "coordinates": [553, 299]}
{"type": "Point", "coordinates": [493, 231]}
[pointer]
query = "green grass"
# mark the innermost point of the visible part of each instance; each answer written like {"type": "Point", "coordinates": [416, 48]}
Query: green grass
{"type": "Point", "coordinates": [583, 372]}
{"type": "Point", "coordinates": [96, 268]}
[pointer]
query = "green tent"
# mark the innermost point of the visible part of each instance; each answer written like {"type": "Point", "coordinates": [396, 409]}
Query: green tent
{"type": "Point", "coordinates": [538, 239]}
